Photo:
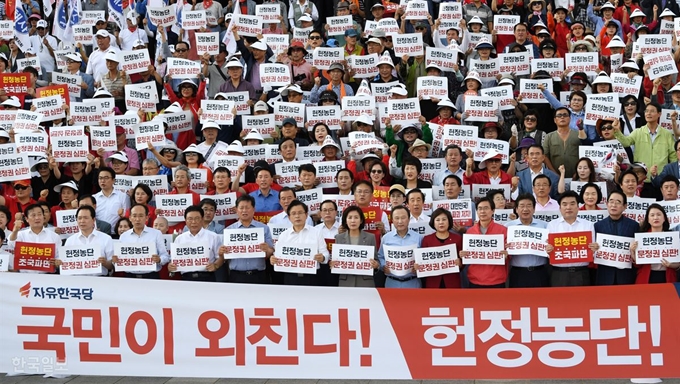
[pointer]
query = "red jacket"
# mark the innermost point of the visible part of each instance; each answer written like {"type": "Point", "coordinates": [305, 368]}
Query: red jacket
{"type": "Point", "coordinates": [488, 274]}
{"type": "Point", "coordinates": [482, 177]}
{"type": "Point", "coordinates": [643, 272]}
{"type": "Point", "coordinates": [451, 280]}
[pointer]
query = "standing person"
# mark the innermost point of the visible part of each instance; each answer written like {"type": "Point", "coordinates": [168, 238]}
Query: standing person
{"type": "Point", "coordinates": [141, 233]}
{"type": "Point", "coordinates": [490, 170]}
{"type": "Point", "coordinates": [570, 274]}
{"type": "Point", "coordinates": [618, 225]}
{"type": "Point", "coordinates": [109, 200]}
{"type": "Point", "coordinates": [286, 196]}
{"type": "Point", "coordinates": [442, 222]}
{"type": "Point", "coordinates": [250, 270]}
{"type": "Point", "coordinates": [89, 200]}
{"type": "Point", "coordinates": [85, 217]}
{"type": "Point", "coordinates": [193, 216]}
{"type": "Point", "coordinates": [35, 233]}
{"type": "Point", "coordinates": [561, 146]}
{"type": "Point", "coordinates": [525, 178]}
{"type": "Point", "coordinates": [655, 220]}
{"type": "Point", "coordinates": [527, 271]}
{"type": "Point", "coordinates": [353, 221]}
{"type": "Point", "coordinates": [401, 236]}
{"type": "Point", "coordinates": [486, 276]}
{"type": "Point", "coordinates": [328, 227]}
{"type": "Point", "coordinates": [302, 233]}
{"type": "Point", "coordinates": [454, 156]}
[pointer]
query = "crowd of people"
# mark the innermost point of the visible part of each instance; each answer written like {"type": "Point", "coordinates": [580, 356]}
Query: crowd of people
{"type": "Point", "coordinates": [377, 196]}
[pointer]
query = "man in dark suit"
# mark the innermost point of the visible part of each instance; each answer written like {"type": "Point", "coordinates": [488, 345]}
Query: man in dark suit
{"type": "Point", "coordinates": [523, 182]}
{"type": "Point", "coordinates": [672, 168]}
{"type": "Point", "coordinates": [618, 225]}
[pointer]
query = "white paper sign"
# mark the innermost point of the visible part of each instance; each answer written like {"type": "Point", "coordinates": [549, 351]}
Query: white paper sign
{"type": "Point", "coordinates": [503, 96]}
{"type": "Point", "coordinates": [355, 106]}
{"type": "Point", "coordinates": [555, 67]}
{"type": "Point", "coordinates": [149, 132]}
{"type": "Point", "coordinates": [70, 149]}
{"type": "Point", "coordinates": [429, 87]}
{"type": "Point", "coordinates": [651, 44]}
{"type": "Point", "coordinates": [16, 165]}
{"type": "Point", "coordinates": [404, 111]}
{"type": "Point", "coordinates": [31, 144]}
{"type": "Point", "coordinates": [221, 111]}
{"type": "Point", "coordinates": [289, 173]}
{"type": "Point", "coordinates": [330, 115]}
{"type": "Point", "coordinates": [240, 100]}
{"type": "Point", "coordinates": [72, 81]}
{"type": "Point", "coordinates": [479, 108]}
{"type": "Point", "coordinates": [326, 171]}
{"type": "Point", "coordinates": [399, 260]}
{"type": "Point", "coordinates": [505, 24]}
{"type": "Point", "coordinates": [625, 86]}
{"type": "Point", "coordinates": [191, 257]}
{"type": "Point", "coordinates": [525, 240]}
{"type": "Point", "coordinates": [269, 13]}
{"type": "Point", "coordinates": [26, 121]}
{"type": "Point", "coordinates": [312, 199]}
{"type": "Point", "coordinates": [275, 75]}
{"type": "Point", "coordinates": [652, 247]}
{"type": "Point", "coordinates": [140, 97]}
{"type": "Point", "coordinates": [6, 30]}
{"type": "Point", "coordinates": [136, 61]}
{"type": "Point", "coordinates": [103, 137]}
{"type": "Point", "coordinates": [660, 65]}
{"type": "Point", "coordinates": [614, 251]}
{"type": "Point", "coordinates": [352, 259]}
{"type": "Point", "coordinates": [380, 91]}
{"type": "Point", "coordinates": [80, 260]}
{"type": "Point", "coordinates": [596, 110]}
{"type": "Point", "coordinates": [244, 243]}
{"type": "Point", "coordinates": [389, 25]}
{"type": "Point", "coordinates": [162, 16]}
{"type": "Point", "coordinates": [464, 136]}
{"type": "Point", "coordinates": [83, 34]}
{"type": "Point", "coordinates": [410, 44]}
{"type": "Point", "coordinates": [135, 257]}
{"type": "Point", "coordinates": [248, 25]}
{"type": "Point", "coordinates": [277, 43]}
{"type": "Point", "coordinates": [324, 57]}
{"type": "Point", "coordinates": [515, 62]}
{"type": "Point", "coordinates": [337, 25]}
{"type": "Point", "coordinates": [436, 261]}
{"type": "Point", "coordinates": [173, 206]}
{"type": "Point", "coordinates": [295, 258]}
{"type": "Point", "coordinates": [283, 110]}
{"type": "Point", "coordinates": [444, 58]}
{"type": "Point", "coordinates": [50, 107]}
{"type": "Point", "coordinates": [417, 10]}
{"type": "Point", "coordinates": [183, 69]}
{"type": "Point", "coordinates": [192, 20]}
{"type": "Point", "coordinates": [530, 93]}
{"type": "Point", "coordinates": [264, 124]}
{"type": "Point", "coordinates": [587, 62]}
{"type": "Point", "coordinates": [66, 222]}
{"type": "Point", "coordinates": [483, 249]}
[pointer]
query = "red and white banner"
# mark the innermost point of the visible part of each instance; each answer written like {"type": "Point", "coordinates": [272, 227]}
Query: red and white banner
{"type": "Point", "coordinates": [244, 243]}
{"type": "Point", "coordinates": [483, 249]}
{"type": "Point", "coordinates": [655, 246]}
{"type": "Point", "coordinates": [570, 247]}
{"type": "Point", "coordinates": [176, 330]}
{"type": "Point", "coordinates": [352, 259]}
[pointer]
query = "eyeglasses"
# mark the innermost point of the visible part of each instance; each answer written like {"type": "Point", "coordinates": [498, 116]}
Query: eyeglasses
{"type": "Point", "coordinates": [629, 104]}
{"type": "Point", "coordinates": [181, 50]}
{"type": "Point", "coordinates": [607, 127]}
{"type": "Point", "coordinates": [530, 119]}
{"type": "Point", "coordinates": [20, 187]}
{"type": "Point", "coordinates": [376, 171]}
{"type": "Point", "coordinates": [314, 37]}
{"type": "Point", "coordinates": [560, 115]}
{"type": "Point", "coordinates": [328, 210]}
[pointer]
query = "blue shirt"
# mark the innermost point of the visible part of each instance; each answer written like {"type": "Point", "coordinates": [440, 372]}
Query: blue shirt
{"type": "Point", "coordinates": [391, 238]}
{"type": "Point", "coordinates": [524, 261]}
{"type": "Point", "coordinates": [266, 203]}
{"type": "Point", "coordinates": [214, 227]}
{"type": "Point", "coordinates": [251, 264]}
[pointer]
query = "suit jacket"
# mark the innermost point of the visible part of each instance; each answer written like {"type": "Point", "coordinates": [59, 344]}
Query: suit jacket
{"type": "Point", "coordinates": [623, 227]}
{"type": "Point", "coordinates": [526, 184]}
{"type": "Point", "coordinates": [103, 226]}
{"type": "Point", "coordinates": [365, 238]}
{"type": "Point", "coordinates": [668, 169]}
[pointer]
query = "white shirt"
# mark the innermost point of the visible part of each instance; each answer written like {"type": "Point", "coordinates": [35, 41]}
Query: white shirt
{"type": "Point", "coordinates": [148, 235]}
{"type": "Point", "coordinates": [282, 218]}
{"type": "Point", "coordinates": [214, 240]}
{"type": "Point", "coordinates": [308, 235]}
{"type": "Point", "coordinates": [423, 218]}
{"type": "Point", "coordinates": [108, 206]}
{"type": "Point", "coordinates": [127, 38]}
{"type": "Point", "coordinates": [551, 205]}
{"type": "Point", "coordinates": [328, 233]}
{"type": "Point", "coordinates": [579, 225]}
{"type": "Point", "coordinates": [45, 237]}
{"type": "Point", "coordinates": [204, 148]}
{"type": "Point", "coordinates": [96, 65]}
{"type": "Point", "coordinates": [46, 60]}
{"type": "Point", "coordinates": [105, 245]}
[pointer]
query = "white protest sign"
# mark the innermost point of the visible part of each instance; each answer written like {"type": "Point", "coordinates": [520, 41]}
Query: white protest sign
{"type": "Point", "coordinates": [637, 208]}
{"type": "Point", "coordinates": [355, 106]}
{"type": "Point", "coordinates": [283, 110]}
{"type": "Point", "coordinates": [248, 25]}
{"type": "Point", "coordinates": [618, 147]}
{"type": "Point", "coordinates": [503, 96]}
{"type": "Point", "coordinates": [417, 10]}
{"type": "Point", "coordinates": [232, 163]}
{"type": "Point", "coordinates": [192, 20]}
{"type": "Point", "coordinates": [502, 216]}
{"type": "Point", "coordinates": [244, 243]}
{"type": "Point", "coordinates": [50, 107]}
{"type": "Point", "coordinates": [295, 258]}
{"type": "Point", "coordinates": [464, 136]}
{"type": "Point", "coordinates": [269, 13]}
{"type": "Point", "coordinates": [480, 190]}
{"type": "Point", "coordinates": [515, 62]}
{"type": "Point", "coordinates": [70, 149]}
{"type": "Point", "coordinates": [127, 121]}
{"type": "Point", "coordinates": [82, 34]}
{"type": "Point", "coordinates": [601, 156]}
{"type": "Point", "coordinates": [651, 44]}
{"type": "Point", "coordinates": [352, 259]}
{"type": "Point", "coordinates": [240, 100]}
{"type": "Point", "coordinates": [173, 206]}
{"type": "Point", "coordinates": [660, 65]}
{"type": "Point", "coordinates": [436, 261]}
{"type": "Point", "coordinates": [7, 119]}
{"type": "Point", "coordinates": [27, 121]}
{"type": "Point", "coordinates": [149, 132]}
{"type": "Point", "coordinates": [221, 111]}
{"type": "Point", "coordinates": [652, 247]}
{"type": "Point", "coordinates": [410, 44]}
{"type": "Point", "coordinates": [300, 34]}
{"type": "Point", "coordinates": [526, 240]}
{"type": "Point", "coordinates": [474, 38]}
{"type": "Point", "coordinates": [277, 43]}
{"type": "Point", "coordinates": [399, 260]}
{"type": "Point", "coordinates": [312, 199]}
{"type": "Point", "coordinates": [66, 131]}
{"type": "Point", "coordinates": [73, 83]}
{"type": "Point", "coordinates": [666, 27]}
{"type": "Point", "coordinates": [530, 93]}
{"type": "Point", "coordinates": [80, 260]}
{"type": "Point", "coordinates": [191, 257]}
{"type": "Point", "coordinates": [326, 171]}
{"type": "Point", "coordinates": [198, 178]}
{"type": "Point", "coordinates": [429, 87]}
{"type": "Point", "coordinates": [324, 57]}
{"type": "Point", "coordinates": [140, 97]}
{"type": "Point", "coordinates": [431, 167]}
{"type": "Point", "coordinates": [614, 251]}
{"type": "Point", "coordinates": [596, 110]}
{"type": "Point", "coordinates": [31, 143]}
{"type": "Point", "coordinates": [182, 68]}
{"type": "Point", "coordinates": [380, 91]}
{"type": "Point", "coordinates": [337, 25]}
{"type": "Point", "coordinates": [103, 137]}
{"type": "Point", "coordinates": [66, 221]}
{"type": "Point", "coordinates": [505, 24]}
{"type": "Point", "coordinates": [136, 61]}
{"type": "Point", "coordinates": [480, 108]}
{"type": "Point", "coordinates": [277, 229]}
{"type": "Point", "coordinates": [593, 215]}
{"type": "Point", "coordinates": [162, 16]}
{"type": "Point", "coordinates": [487, 69]}
{"type": "Point", "coordinates": [676, 28]}
{"type": "Point", "coordinates": [178, 122]}
{"type": "Point", "coordinates": [555, 67]}
{"type": "Point", "coordinates": [264, 124]}
{"type": "Point", "coordinates": [289, 173]}
{"type": "Point", "coordinates": [404, 111]}
{"type": "Point", "coordinates": [16, 166]}
{"type": "Point", "coordinates": [90, 18]}
{"type": "Point", "coordinates": [461, 209]}
{"type": "Point", "coordinates": [137, 257]}
{"type": "Point", "coordinates": [29, 62]}
{"type": "Point", "coordinates": [309, 153]}
{"type": "Point", "coordinates": [330, 115]}
{"type": "Point", "coordinates": [483, 249]}
{"type": "Point", "coordinates": [587, 62]}
{"type": "Point", "coordinates": [623, 85]}
{"type": "Point", "coordinates": [207, 42]}
{"type": "Point", "coordinates": [672, 209]}
{"type": "Point", "coordinates": [226, 205]}
{"type": "Point", "coordinates": [60, 57]}
{"type": "Point", "coordinates": [666, 119]}
{"type": "Point", "coordinates": [450, 12]}
{"type": "Point", "coordinates": [7, 30]}
{"type": "Point", "coordinates": [444, 58]}
{"type": "Point", "coordinates": [389, 25]}
{"type": "Point", "coordinates": [275, 75]}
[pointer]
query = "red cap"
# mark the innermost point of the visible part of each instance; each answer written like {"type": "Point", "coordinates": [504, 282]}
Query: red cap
{"type": "Point", "coordinates": [25, 183]}
{"type": "Point", "coordinates": [120, 130]}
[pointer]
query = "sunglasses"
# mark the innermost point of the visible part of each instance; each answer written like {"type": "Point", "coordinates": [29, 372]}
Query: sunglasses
{"type": "Point", "coordinates": [530, 119]}
{"type": "Point", "coordinates": [562, 115]}
{"type": "Point", "coordinates": [629, 104]}
{"type": "Point", "coordinates": [376, 171]}
{"type": "Point", "coordinates": [315, 37]}
{"type": "Point", "coordinates": [607, 127]}
{"type": "Point", "coordinates": [181, 50]}
{"type": "Point", "coordinates": [20, 187]}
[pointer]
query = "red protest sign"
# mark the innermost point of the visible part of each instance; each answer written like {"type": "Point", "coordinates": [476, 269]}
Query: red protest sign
{"type": "Point", "coordinates": [34, 256]}
{"type": "Point", "coordinates": [571, 247]}
{"type": "Point", "coordinates": [264, 217]}
{"type": "Point", "coordinates": [53, 90]}
{"type": "Point", "coordinates": [15, 84]}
